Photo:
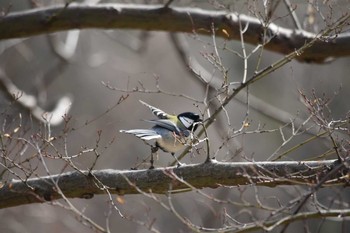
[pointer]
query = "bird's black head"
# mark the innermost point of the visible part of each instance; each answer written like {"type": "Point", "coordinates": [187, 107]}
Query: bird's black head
{"type": "Point", "coordinates": [188, 119]}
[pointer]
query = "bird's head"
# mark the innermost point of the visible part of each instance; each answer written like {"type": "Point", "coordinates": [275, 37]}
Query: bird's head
{"type": "Point", "coordinates": [190, 120]}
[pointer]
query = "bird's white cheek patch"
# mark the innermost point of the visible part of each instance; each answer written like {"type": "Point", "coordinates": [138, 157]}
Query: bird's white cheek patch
{"type": "Point", "coordinates": [187, 122]}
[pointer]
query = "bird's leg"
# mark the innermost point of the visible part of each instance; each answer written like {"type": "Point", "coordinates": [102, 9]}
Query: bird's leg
{"type": "Point", "coordinates": [154, 150]}
{"type": "Point", "coordinates": [178, 162]}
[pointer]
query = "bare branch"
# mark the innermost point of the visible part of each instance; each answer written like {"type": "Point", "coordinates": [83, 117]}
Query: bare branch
{"type": "Point", "coordinates": [53, 117]}
{"type": "Point", "coordinates": [82, 184]}
{"type": "Point", "coordinates": [172, 19]}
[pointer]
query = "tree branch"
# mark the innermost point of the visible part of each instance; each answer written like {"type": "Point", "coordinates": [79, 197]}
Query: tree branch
{"type": "Point", "coordinates": [81, 184]}
{"type": "Point", "coordinates": [172, 19]}
{"type": "Point", "coordinates": [54, 117]}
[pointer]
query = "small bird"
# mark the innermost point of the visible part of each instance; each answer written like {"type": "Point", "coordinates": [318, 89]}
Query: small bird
{"type": "Point", "coordinates": [170, 132]}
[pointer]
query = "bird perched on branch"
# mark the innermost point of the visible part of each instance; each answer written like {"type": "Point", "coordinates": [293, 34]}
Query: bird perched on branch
{"type": "Point", "coordinates": [170, 133]}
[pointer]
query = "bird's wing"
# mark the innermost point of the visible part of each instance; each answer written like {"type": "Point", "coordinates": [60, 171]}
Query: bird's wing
{"type": "Point", "coordinates": [156, 111]}
{"type": "Point", "coordinates": [144, 134]}
{"type": "Point", "coordinates": [167, 124]}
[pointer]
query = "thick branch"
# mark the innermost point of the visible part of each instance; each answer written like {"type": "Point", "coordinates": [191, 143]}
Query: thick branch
{"type": "Point", "coordinates": [151, 17]}
{"type": "Point", "coordinates": [208, 175]}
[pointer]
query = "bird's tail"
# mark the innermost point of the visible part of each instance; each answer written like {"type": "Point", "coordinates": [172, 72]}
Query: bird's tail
{"type": "Point", "coordinates": [144, 134]}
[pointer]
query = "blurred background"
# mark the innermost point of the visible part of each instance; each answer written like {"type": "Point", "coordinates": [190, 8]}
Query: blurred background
{"type": "Point", "coordinates": [97, 68]}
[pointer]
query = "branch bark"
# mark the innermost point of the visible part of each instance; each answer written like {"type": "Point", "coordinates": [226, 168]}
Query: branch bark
{"type": "Point", "coordinates": [172, 19]}
{"type": "Point", "coordinates": [82, 184]}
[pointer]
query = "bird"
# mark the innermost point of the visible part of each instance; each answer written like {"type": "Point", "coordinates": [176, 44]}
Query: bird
{"type": "Point", "coordinates": [170, 132]}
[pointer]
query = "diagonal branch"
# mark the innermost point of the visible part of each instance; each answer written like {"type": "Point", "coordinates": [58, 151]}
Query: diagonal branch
{"type": "Point", "coordinates": [81, 184]}
{"type": "Point", "coordinates": [267, 70]}
{"type": "Point", "coordinates": [54, 117]}
{"type": "Point", "coordinates": [173, 19]}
